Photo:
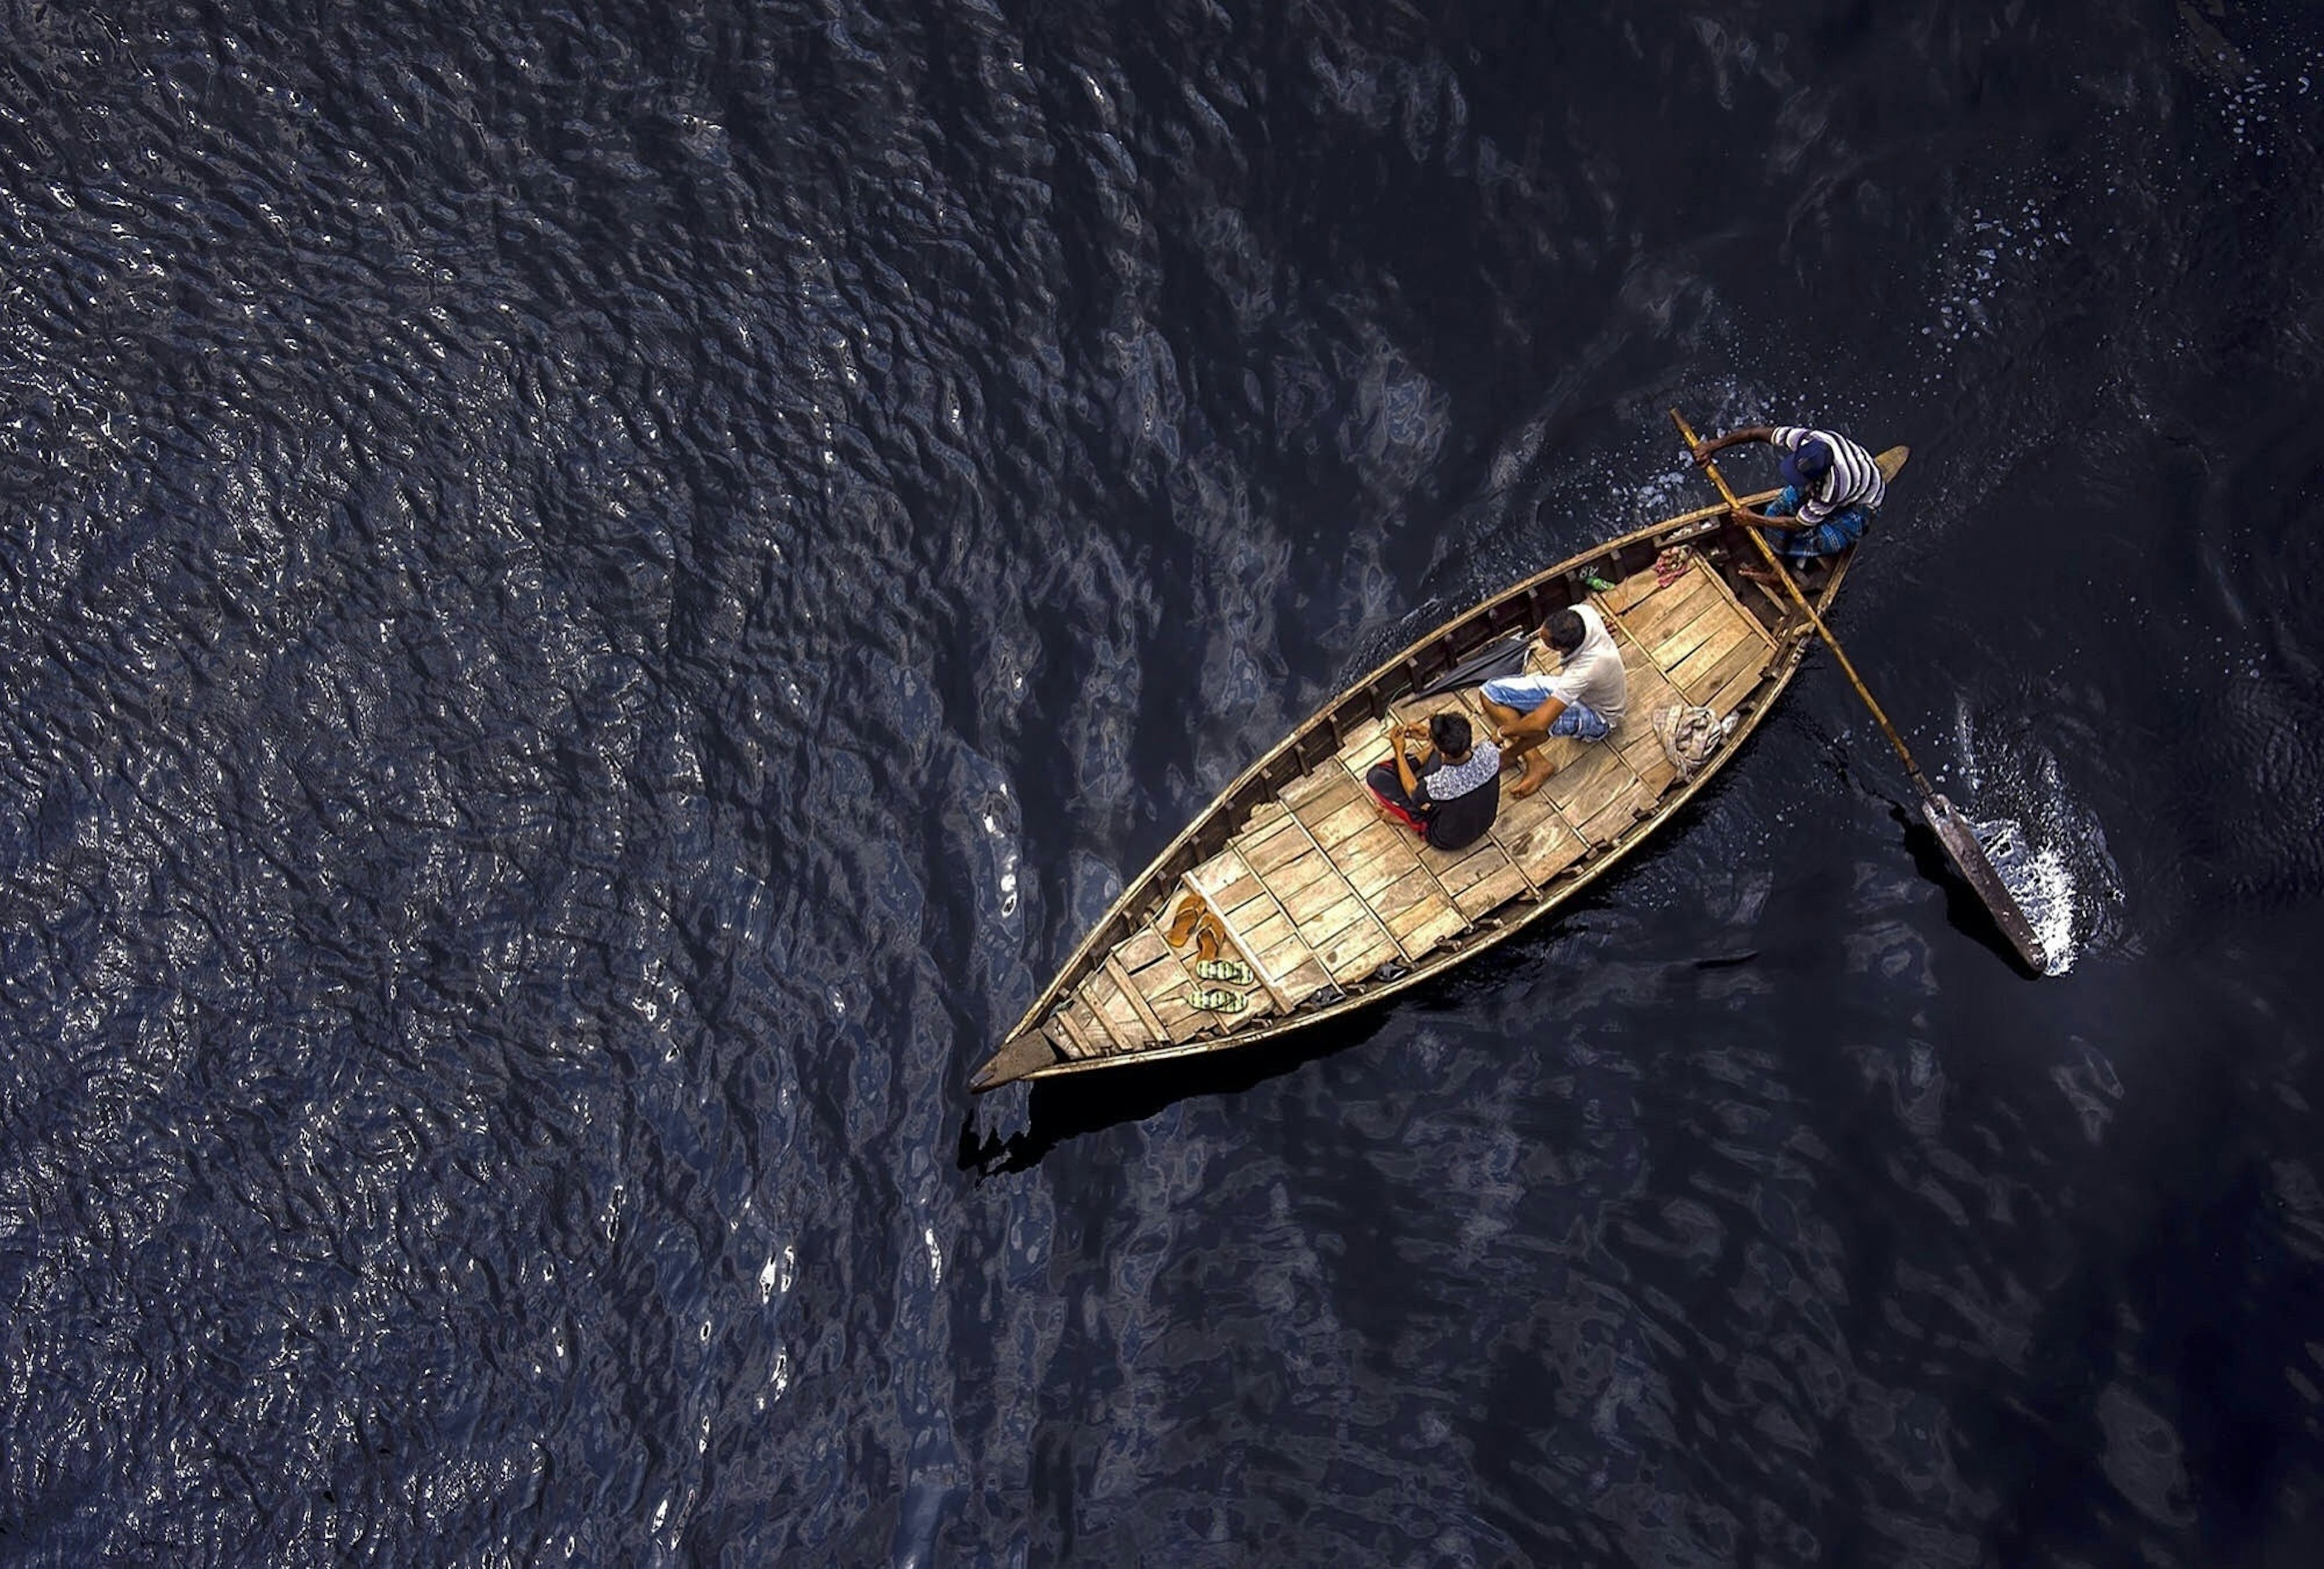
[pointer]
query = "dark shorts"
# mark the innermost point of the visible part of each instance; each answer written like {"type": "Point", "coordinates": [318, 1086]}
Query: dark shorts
{"type": "Point", "coordinates": [1388, 791]}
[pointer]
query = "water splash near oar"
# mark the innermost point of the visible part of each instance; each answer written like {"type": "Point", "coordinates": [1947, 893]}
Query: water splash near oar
{"type": "Point", "coordinates": [2042, 881]}
{"type": "Point", "coordinates": [1975, 863]}
{"type": "Point", "coordinates": [2050, 850]}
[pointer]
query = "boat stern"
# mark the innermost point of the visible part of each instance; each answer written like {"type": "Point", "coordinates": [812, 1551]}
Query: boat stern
{"type": "Point", "coordinates": [1020, 1055]}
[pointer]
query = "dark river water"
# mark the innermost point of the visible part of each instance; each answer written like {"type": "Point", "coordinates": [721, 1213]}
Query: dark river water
{"type": "Point", "coordinates": [592, 596]}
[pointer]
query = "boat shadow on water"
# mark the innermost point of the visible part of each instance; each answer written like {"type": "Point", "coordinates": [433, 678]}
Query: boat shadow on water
{"type": "Point", "coordinates": [998, 1142]}
{"type": "Point", "coordinates": [1056, 1111]}
{"type": "Point", "coordinates": [1000, 1136]}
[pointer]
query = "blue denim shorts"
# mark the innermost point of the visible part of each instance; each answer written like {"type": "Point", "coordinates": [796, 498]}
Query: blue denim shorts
{"type": "Point", "coordinates": [1527, 693]}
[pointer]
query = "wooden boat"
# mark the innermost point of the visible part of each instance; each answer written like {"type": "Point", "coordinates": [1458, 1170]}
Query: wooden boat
{"type": "Point", "coordinates": [1332, 907]}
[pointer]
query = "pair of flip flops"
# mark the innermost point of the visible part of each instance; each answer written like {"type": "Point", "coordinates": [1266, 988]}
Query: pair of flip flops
{"type": "Point", "coordinates": [1196, 921]}
{"type": "Point", "coordinates": [1217, 999]}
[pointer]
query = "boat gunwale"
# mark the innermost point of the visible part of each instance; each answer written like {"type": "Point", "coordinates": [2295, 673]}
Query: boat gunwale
{"type": "Point", "coordinates": [1785, 662]}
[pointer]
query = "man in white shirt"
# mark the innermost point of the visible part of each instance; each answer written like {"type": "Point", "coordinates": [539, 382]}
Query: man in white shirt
{"type": "Point", "coordinates": [1585, 698]}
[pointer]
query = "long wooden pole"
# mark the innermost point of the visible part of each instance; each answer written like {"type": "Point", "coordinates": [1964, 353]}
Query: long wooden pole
{"type": "Point", "coordinates": [1953, 831]}
{"type": "Point", "coordinates": [1695, 447]}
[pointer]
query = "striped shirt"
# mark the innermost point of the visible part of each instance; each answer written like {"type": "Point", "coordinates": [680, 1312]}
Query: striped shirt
{"type": "Point", "coordinates": [1853, 480]}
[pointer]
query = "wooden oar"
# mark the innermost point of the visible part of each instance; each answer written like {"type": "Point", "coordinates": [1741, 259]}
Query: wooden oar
{"type": "Point", "coordinates": [1952, 830]}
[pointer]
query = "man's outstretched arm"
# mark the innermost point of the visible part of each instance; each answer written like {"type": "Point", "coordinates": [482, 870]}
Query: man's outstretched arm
{"type": "Point", "coordinates": [1702, 454]}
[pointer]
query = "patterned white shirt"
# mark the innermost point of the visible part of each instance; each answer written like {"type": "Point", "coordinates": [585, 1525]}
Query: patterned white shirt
{"type": "Point", "coordinates": [1454, 780]}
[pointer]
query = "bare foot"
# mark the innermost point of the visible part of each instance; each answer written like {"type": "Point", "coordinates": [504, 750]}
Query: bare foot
{"type": "Point", "coordinates": [1537, 774]}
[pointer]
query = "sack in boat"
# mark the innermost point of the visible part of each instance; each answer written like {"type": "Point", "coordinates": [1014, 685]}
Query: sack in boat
{"type": "Point", "coordinates": [1691, 736]}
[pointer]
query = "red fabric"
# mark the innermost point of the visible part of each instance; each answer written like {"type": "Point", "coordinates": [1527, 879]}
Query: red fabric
{"type": "Point", "coordinates": [1401, 815]}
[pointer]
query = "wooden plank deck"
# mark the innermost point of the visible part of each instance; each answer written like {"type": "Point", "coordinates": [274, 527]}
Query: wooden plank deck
{"type": "Point", "coordinates": [1704, 645]}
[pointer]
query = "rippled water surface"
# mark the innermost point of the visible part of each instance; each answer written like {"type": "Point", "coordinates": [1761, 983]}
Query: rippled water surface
{"type": "Point", "coordinates": [594, 596]}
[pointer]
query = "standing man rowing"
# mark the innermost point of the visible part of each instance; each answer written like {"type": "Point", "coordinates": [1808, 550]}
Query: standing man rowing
{"type": "Point", "coordinates": [1831, 489]}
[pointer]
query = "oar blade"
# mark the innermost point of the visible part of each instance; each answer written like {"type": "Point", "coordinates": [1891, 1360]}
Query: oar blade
{"type": "Point", "coordinates": [1975, 868]}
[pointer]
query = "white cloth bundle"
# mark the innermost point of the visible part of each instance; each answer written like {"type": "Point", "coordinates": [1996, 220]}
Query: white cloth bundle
{"type": "Point", "coordinates": [1691, 736]}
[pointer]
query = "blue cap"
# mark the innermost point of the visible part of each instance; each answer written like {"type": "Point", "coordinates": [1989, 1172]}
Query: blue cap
{"type": "Point", "coordinates": [1806, 463]}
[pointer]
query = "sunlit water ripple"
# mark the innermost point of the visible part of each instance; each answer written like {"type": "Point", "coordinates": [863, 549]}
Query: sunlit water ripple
{"type": "Point", "coordinates": [593, 598]}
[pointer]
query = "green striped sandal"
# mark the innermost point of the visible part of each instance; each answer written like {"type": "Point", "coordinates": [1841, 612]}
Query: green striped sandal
{"type": "Point", "coordinates": [1211, 1000]}
{"type": "Point", "coordinates": [1230, 970]}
